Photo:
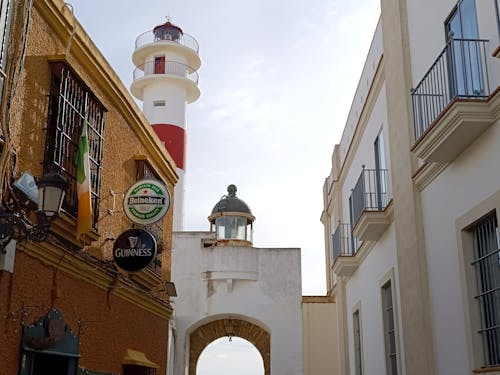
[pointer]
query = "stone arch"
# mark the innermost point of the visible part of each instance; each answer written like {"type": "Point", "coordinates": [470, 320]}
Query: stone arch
{"type": "Point", "coordinates": [208, 332]}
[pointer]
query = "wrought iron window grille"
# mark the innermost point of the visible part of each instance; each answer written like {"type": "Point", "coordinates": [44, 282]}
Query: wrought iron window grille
{"type": "Point", "coordinates": [71, 105]}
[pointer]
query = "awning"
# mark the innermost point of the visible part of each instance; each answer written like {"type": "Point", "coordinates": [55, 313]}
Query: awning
{"type": "Point", "coordinates": [135, 357]}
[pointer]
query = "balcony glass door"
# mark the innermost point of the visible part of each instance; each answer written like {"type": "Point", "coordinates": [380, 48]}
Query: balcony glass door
{"type": "Point", "coordinates": [380, 169]}
{"type": "Point", "coordinates": [464, 60]}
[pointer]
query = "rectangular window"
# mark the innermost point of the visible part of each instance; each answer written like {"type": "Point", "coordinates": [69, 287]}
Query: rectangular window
{"type": "Point", "coordinates": [5, 11]}
{"type": "Point", "coordinates": [487, 266]}
{"type": "Point", "coordinates": [380, 171]}
{"type": "Point", "coordinates": [354, 243]}
{"type": "Point", "coordinates": [71, 103]}
{"type": "Point", "coordinates": [358, 359]}
{"type": "Point", "coordinates": [5, 15]}
{"type": "Point", "coordinates": [464, 58]}
{"type": "Point", "coordinates": [389, 330]}
{"type": "Point", "coordinates": [159, 103]}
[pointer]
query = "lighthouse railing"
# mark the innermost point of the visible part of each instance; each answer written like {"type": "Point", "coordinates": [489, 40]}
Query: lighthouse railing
{"type": "Point", "coordinates": [185, 40]}
{"type": "Point", "coordinates": [169, 68]}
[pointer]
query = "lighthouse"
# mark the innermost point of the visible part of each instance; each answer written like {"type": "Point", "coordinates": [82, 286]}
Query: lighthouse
{"type": "Point", "coordinates": [166, 79]}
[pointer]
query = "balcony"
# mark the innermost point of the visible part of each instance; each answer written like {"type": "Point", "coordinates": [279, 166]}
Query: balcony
{"type": "Point", "coordinates": [149, 37]}
{"type": "Point", "coordinates": [369, 205]}
{"type": "Point", "coordinates": [183, 74]}
{"type": "Point", "coordinates": [450, 104]}
{"type": "Point", "coordinates": [162, 42]}
{"type": "Point", "coordinates": [344, 246]}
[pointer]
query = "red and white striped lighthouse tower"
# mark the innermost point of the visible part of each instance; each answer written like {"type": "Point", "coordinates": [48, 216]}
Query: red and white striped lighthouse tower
{"type": "Point", "coordinates": [165, 79]}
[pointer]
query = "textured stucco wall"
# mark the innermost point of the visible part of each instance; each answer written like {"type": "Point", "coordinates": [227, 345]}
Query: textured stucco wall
{"type": "Point", "coordinates": [448, 297]}
{"type": "Point", "coordinates": [107, 325]}
{"type": "Point", "coordinates": [121, 144]}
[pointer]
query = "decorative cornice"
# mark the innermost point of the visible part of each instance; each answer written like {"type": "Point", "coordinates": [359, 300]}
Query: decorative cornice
{"type": "Point", "coordinates": [80, 266]}
{"type": "Point", "coordinates": [372, 224]}
{"type": "Point", "coordinates": [318, 299]}
{"type": "Point", "coordinates": [427, 173]}
{"type": "Point", "coordinates": [460, 113]}
{"type": "Point", "coordinates": [371, 98]}
{"type": "Point", "coordinates": [347, 265]}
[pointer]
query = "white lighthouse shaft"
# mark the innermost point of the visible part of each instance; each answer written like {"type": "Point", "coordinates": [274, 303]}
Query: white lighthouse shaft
{"type": "Point", "coordinates": [166, 80]}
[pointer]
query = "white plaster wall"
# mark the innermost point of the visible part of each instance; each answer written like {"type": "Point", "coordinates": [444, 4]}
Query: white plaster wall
{"type": "Point", "coordinates": [370, 68]}
{"type": "Point", "coordinates": [365, 152]}
{"type": "Point", "coordinates": [364, 287]}
{"type": "Point", "coordinates": [263, 285]}
{"type": "Point", "coordinates": [426, 20]}
{"type": "Point", "coordinates": [471, 178]}
{"type": "Point", "coordinates": [174, 112]}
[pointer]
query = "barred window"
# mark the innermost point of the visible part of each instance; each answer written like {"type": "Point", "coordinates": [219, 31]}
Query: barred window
{"type": "Point", "coordinates": [71, 103]}
{"type": "Point", "coordinates": [5, 12]}
{"type": "Point", "coordinates": [390, 330]}
{"type": "Point", "coordinates": [358, 356]}
{"type": "Point", "coordinates": [5, 15]}
{"type": "Point", "coordinates": [487, 266]}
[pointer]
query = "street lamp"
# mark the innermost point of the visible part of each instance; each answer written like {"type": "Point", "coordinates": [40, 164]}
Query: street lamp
{"type": "Point", "coordinates": [15, 222]}
{"type": "Point", "coordinates": [229, 327]}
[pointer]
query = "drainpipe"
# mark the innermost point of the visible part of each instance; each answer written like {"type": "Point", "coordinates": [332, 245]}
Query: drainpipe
{"type": "Point", "coordinates": [498, 17]}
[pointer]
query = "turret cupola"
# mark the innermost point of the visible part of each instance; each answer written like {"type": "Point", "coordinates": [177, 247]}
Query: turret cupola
{"type": "Point", "coordinates": [233, 219]}
{"type": "Point", "coordinates": [168, 31]}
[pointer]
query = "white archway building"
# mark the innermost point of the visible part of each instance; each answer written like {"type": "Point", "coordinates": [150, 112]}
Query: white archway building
{"type": "Point", "coordinates": [220, 275]}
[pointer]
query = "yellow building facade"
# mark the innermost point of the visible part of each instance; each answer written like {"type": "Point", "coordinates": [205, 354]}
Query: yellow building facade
{"type": "Point", "coordinates": [107, 321]}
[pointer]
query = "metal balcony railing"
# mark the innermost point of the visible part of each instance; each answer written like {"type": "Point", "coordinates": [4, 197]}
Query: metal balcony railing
{"type": "Point", "coordinates": [370, 193]}
{"type": "Point", "coordinates": [343, 242]}
{"type": "Point", "coordinates": [171, 68]}
{"type": "Point", "coordinates": [460, 71]}
{"type": "Point", "coordinates": [148, 37]}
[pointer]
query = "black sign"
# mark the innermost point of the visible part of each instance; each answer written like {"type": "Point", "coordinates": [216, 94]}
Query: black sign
{"type": "Point", "coordinates": [134, 249]}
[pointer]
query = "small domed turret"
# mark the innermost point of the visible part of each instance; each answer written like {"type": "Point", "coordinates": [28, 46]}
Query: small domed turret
{"type": "Point", "coordinates": [232, 218]}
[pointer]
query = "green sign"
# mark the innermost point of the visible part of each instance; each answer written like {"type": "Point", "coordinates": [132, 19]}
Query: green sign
{"type": "Point", "coordinates": [146, 202]}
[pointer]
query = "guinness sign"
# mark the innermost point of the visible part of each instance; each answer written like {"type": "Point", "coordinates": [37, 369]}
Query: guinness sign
{"type": "Point", "coordinates": [134, 249]}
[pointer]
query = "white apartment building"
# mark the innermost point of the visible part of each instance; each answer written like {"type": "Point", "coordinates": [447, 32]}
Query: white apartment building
{"type": "Point", "coordinates": [412, 201]}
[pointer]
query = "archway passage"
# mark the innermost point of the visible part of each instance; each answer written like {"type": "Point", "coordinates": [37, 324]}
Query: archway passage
{"type": "Point", "coordinates": [224, 357]}
{"type": "Point", "coordinates": [210, 332]}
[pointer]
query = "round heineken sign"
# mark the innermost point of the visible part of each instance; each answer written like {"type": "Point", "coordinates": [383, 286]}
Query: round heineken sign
{"type": "Point", "coordinates": [146, 202]}
{"type": "Point", "coordinates": [134, 249]}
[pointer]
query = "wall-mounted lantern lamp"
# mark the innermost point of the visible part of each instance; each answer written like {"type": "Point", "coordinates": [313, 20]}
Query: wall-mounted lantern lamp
{"type": "Point", "coordinates": [19, 220]}
{"type": "Point", "coordinates": [229, 327]}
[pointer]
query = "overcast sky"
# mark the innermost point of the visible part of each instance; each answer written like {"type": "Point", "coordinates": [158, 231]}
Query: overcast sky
{"type": "Point", "coordinates": [277, 80]}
